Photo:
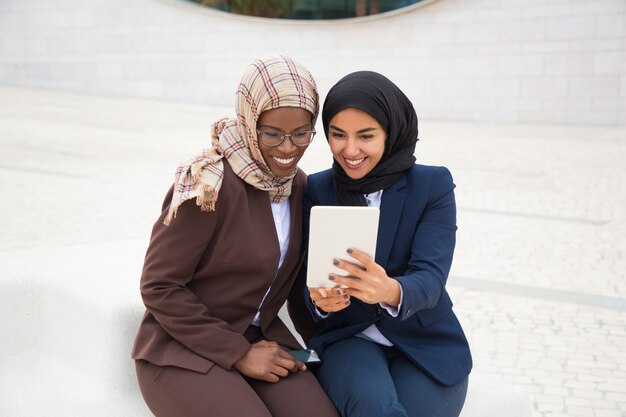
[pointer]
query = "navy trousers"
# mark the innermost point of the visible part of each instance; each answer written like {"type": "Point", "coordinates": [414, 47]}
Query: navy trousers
{"type": "Point", "coordinates": [364, 379]}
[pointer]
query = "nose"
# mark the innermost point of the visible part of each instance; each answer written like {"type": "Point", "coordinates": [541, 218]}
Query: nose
{"type": "Point", "coordinates": [352, 148]}
{"type": "Point", "coordinates": [287, 147]}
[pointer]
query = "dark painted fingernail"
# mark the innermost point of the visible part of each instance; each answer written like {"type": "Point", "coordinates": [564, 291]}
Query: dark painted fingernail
{"type": "Point", "coordinates": [330, 277]}
{"type": "Point", "coordinates": [346, 296]}
{"type": "Point", "coordinates": [347, 303]}
{"type": "Point", "coordinates": [335, 262]}
{"type": "Point", "coordinates": [338, 292]}
{"type": "Point", "coordinates": [349, 250]}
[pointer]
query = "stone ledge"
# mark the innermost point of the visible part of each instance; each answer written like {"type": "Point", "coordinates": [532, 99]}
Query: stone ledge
{"type": "Point", "coordinates": [73, 313]}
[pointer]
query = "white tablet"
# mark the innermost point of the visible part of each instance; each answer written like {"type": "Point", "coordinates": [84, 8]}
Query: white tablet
{"type": "Point", "coordinates": [333, 229]}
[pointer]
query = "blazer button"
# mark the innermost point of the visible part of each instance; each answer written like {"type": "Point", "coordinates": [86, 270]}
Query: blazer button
{"type": "Point", "coordinates": [378, 312]}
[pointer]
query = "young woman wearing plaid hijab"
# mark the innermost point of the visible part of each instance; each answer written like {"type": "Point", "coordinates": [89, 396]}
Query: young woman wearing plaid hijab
{"type": "Point", "coordinates": [390, 343]}
{"type": "Point", "coordinates": [222, 260]}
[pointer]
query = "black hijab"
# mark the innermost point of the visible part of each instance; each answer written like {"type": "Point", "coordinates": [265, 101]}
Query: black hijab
{"type": "Point", "coordinates": [380, 98]}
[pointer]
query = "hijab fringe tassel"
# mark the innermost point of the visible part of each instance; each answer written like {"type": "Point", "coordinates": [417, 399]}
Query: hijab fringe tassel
{"type": "Point", "coordinates": [206, 199]}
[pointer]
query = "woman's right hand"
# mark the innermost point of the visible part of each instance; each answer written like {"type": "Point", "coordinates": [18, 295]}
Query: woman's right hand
{"type": "Point", "coordinates": [329, 300]}
{"type": "Point", "coordinates": [267, 361]}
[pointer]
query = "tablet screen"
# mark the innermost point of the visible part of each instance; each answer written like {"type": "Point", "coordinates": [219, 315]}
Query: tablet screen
{"type": "Point", "coordinates": [332, 230]}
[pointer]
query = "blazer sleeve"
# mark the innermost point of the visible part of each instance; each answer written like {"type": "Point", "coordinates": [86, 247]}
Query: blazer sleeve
{"type": "Point", "coordinates": [300, 306]}
{"type": "Point", "coordinates": [172, 257]}
{"type": "Point", "coordinates": [432, 249]}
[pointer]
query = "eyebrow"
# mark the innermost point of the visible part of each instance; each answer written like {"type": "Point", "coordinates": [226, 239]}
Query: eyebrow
{"type": "Point", "coordinates": [277, 128]}
{"type": "Point", "coordinates": [367, 129]}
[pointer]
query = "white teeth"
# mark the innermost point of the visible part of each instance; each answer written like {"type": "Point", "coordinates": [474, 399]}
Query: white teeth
{"type": "Point", "coordinates": [284, 161]}
{"type": "Point", "coordinates": [354, 161]}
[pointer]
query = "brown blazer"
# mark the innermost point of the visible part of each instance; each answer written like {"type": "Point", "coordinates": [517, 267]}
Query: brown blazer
{"type": "Point", "coordinates": [206, 273]}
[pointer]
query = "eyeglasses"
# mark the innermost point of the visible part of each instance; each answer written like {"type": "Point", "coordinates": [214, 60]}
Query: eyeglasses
{"type": "Point", "coordinates": [301, 138]}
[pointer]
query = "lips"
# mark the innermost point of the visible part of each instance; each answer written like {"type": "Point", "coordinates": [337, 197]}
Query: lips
{"type": "Point", "coordinates": [354, 163]}
{"type": "Point", "coordinates": [285, 162]}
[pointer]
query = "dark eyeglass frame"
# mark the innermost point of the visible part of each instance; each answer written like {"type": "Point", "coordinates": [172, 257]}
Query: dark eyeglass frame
{"type": "Point", "coordinates": [284, 135]}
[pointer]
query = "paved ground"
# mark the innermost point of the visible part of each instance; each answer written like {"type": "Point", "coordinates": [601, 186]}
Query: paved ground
{"type": "Point", "coordinates": [538, 278]}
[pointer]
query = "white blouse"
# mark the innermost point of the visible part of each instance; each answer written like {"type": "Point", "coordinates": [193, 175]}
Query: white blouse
{"type": "Point", "coordinates": [372, 333]}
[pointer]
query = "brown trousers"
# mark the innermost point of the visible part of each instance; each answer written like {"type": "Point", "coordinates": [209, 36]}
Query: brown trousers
{"type": "Point", "coordinates": [171, 391]}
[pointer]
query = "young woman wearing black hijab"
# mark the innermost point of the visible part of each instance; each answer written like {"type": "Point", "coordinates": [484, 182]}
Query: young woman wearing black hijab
{"type": "Point", "coordinates": [390, 342]}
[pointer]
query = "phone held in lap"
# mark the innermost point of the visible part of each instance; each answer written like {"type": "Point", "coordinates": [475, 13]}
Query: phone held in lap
{"type": "Point", "coordinates": [308, 356]}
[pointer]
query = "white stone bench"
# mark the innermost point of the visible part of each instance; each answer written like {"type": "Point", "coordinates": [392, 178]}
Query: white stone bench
{"type": "Point", "coordinates": [69, 316]}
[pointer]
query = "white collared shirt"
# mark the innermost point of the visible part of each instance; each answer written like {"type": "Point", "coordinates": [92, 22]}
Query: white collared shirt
{"type": "Point", "coordinates": [372, 333]}
{"type": "Point", "coordinates": [282, 221]}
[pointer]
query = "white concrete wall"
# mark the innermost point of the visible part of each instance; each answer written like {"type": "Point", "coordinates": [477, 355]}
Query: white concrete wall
{"type": "Point", "coordinates": [535, 61]}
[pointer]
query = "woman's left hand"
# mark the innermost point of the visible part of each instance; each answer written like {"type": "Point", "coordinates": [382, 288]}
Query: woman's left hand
{"type": "Point", "coordinates": [369, 283]}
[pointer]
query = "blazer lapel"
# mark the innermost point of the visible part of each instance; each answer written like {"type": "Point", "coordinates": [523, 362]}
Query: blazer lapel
{"type": "Point", "coordinates": [391, 207]}
{"type": "Point", "coordinates": [295, 227]}
{"type": "Point", "coordinates": [291, 257]}
{"type": "Point", "coordinates": [295, 233]}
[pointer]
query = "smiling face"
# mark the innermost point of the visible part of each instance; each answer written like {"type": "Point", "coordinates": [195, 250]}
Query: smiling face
{"type": "Point", "coordinates": [283, 159]}
{"type": "Point", "coordinates": [357, 141]}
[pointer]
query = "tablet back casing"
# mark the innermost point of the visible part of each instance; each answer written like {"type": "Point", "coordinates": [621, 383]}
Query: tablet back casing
{"type": "Point", "coordinates": [333, 229]}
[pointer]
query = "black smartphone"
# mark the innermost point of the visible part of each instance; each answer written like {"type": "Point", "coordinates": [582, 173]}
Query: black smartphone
{"type": "Point", "coordinates": [308, 356]}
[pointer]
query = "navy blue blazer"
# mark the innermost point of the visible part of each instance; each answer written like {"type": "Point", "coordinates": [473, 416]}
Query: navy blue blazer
{"type": "Point", "coordinates": [416, 238]}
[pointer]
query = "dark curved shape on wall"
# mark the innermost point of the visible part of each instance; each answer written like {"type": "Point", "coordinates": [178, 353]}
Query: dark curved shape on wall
{"type": "Point", "coordinates": [307, 9]}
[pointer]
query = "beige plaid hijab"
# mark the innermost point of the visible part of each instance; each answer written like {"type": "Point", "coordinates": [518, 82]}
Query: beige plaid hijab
{"type": "Point", "coordinates": [269, 83]}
